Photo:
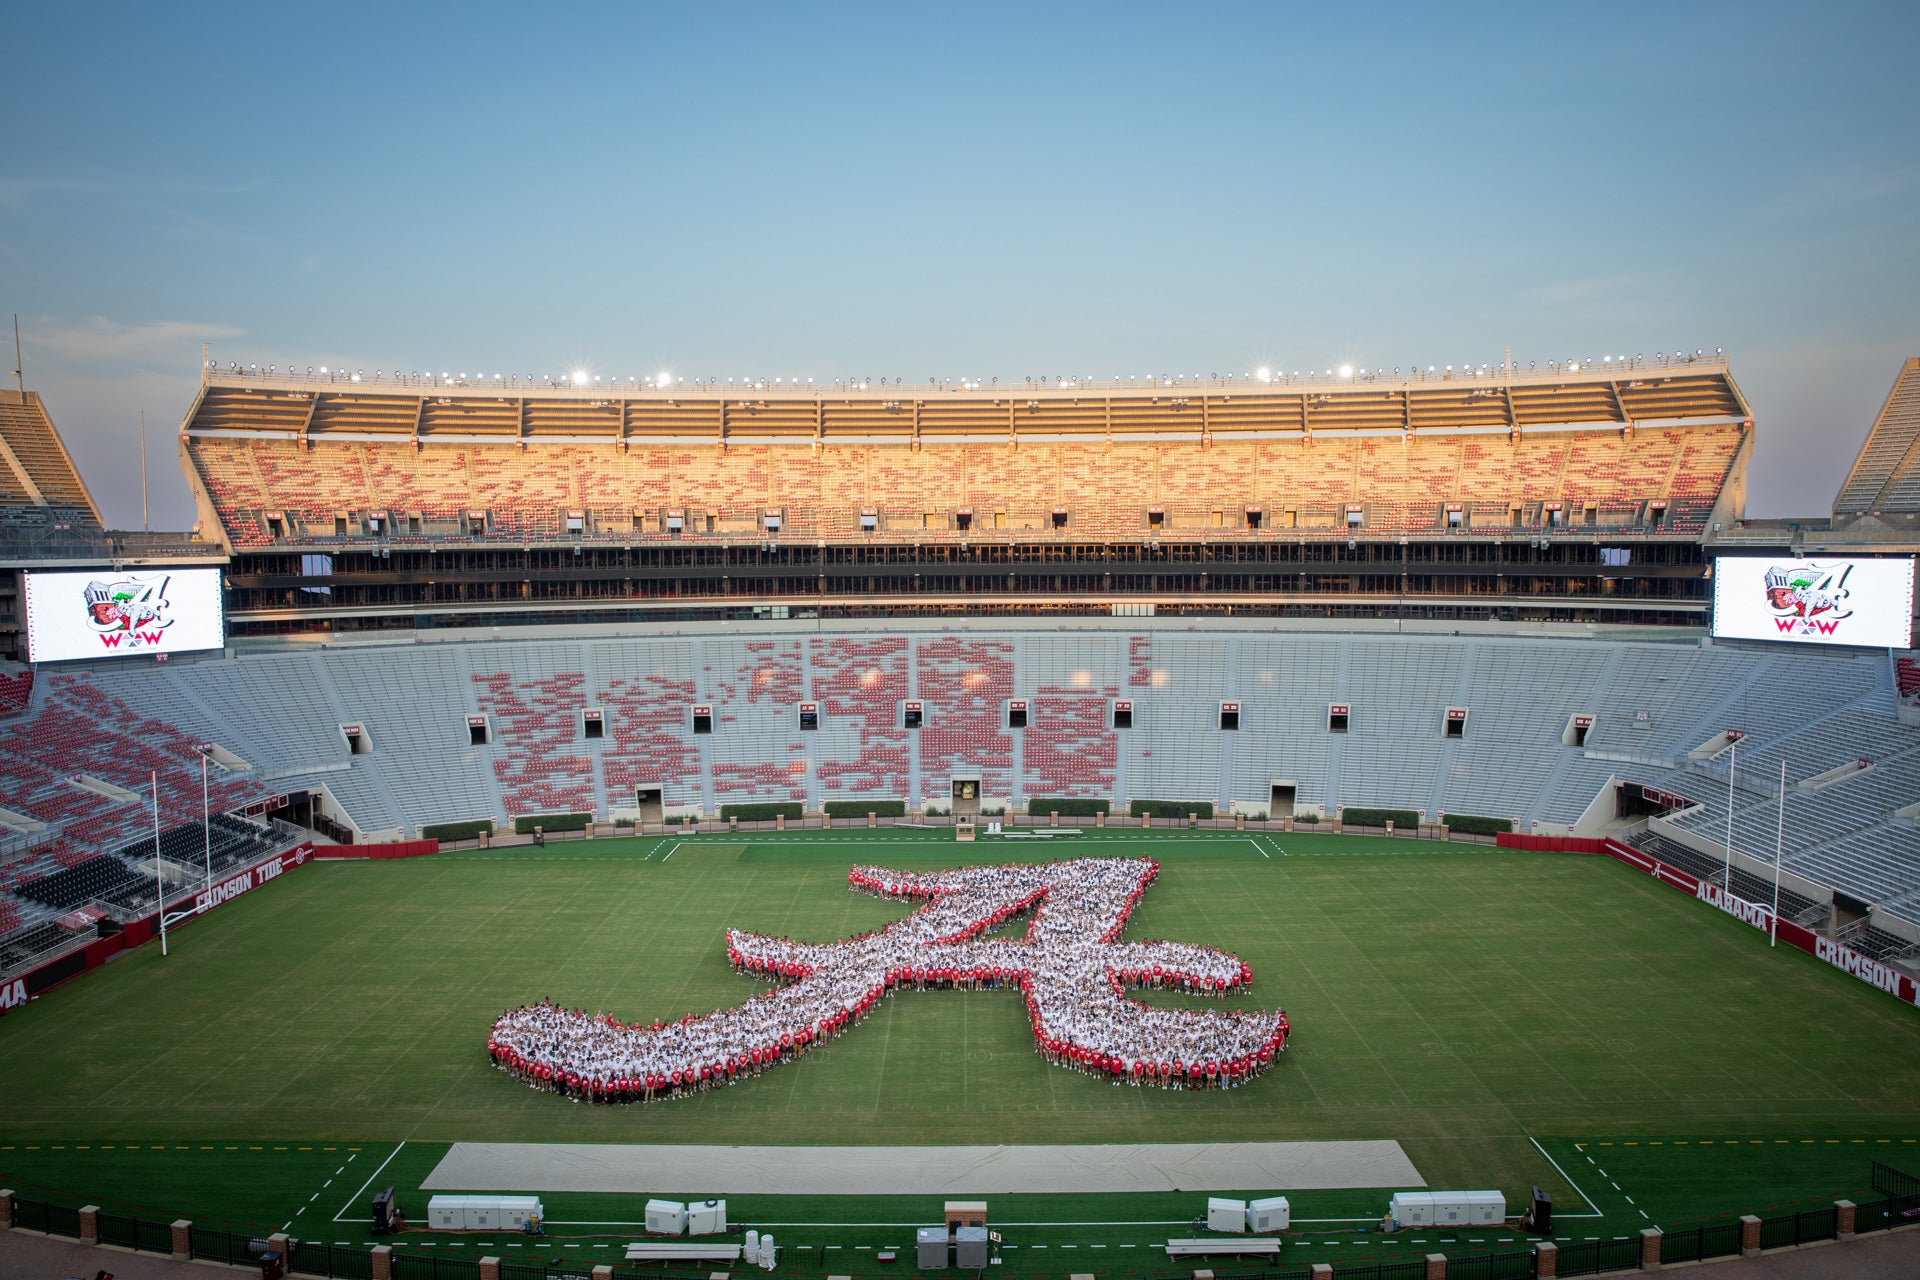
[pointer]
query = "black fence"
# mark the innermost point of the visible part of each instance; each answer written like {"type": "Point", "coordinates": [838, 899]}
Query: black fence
{"type": "Point", "coordinates": [1515, 1264]}
{"type": "Point", "coordinates": [136, 1233]}
{"type": "Point", "coordinates": [1697, 1244]}
{"type": "Point", "coordinates": [1591, 1257]}
{"type": "Point", "coordinates": [415, 1266]}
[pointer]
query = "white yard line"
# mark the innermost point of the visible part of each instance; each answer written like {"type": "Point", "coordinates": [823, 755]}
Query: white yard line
{"type": "Point", "coordinates": [674, 850]}
{"type": "Point", "coordinates": [1584, 1197]}
{"type": "Point", "coordinates": [341, 1216]}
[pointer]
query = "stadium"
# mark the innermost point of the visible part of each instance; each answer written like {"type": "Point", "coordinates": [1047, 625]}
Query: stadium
{"type": "Point", "coordinates": [1374, 784]}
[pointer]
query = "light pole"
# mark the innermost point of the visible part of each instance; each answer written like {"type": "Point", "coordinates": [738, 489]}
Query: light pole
{"type": "Point", "coordinates": [206, 821]}
{"type": "Point", "coordinates": [1733, 758]}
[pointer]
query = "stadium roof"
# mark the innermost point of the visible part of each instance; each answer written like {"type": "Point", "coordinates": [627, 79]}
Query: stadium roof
{"type": "Point", "coordinates": [481, 409]}
{"type": "Point", "coordinates": [36, 471]}
{"type": "Point", "coordinates": [1885, 477]}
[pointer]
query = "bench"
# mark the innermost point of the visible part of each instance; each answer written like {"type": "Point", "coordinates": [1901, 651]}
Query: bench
{"type": "Point", "coordinates": [1266, 1245]}
{"type": "Point", "coordinates": [682, 1251]}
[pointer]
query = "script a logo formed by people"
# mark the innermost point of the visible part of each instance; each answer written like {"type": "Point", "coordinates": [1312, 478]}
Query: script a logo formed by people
{"type": "Point", "coordinates": [130, 613]}
{"type": "Point", "coordinates": [1808, 599]}
{"type": "Point", "coordinates": [1070, 967]}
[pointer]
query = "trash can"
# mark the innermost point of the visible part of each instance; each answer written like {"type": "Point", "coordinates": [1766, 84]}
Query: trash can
{"type": "Point", "coordinates": [272, 1266]}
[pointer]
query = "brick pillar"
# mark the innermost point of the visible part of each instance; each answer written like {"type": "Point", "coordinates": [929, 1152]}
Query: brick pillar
{"type": "Point", "coordinates": [6, 1209]}
{"type": "Point", "coordinates": [1053, 819]}
{"type": "Point", "coordinates": [1239, 822]}
{"type": "Point", "coordinates": [381, 1256]}
{"type": "Point", "coordinates": [779, 822]}
{"type": "Point", "coordinates": [1146, 819]}
{"type": "Point", "coordinates": [873, 819]}
{"type": "Point", "coordinates": [90, 1224]}
{"type": "Point", "coordinates": [1099, 819]}
{"type": "Point", "coordinates": [601, 1272]}
{"type": "Point", "coordinates": [1649, 1248]}
{"type": "Point", "coordinates": [183, 1240]}
{"type": "Point", "coordinates": [826, 820]}
{"type": "Point", "coordinates": [1843, 1219]}
{"type": "Point", "coordinates": [1749, 1236]}
{"type": "Point", "coordinates": [1546, 1260]}
{"type": "Point", "coordinates": [1436, 1266]}
{"type": "Point", "coordinates": [282, 1243]}
{"type": "Point", "coordinates": [489, 1268]}
{"type": "Point", "coordinates": [1321, 1271]}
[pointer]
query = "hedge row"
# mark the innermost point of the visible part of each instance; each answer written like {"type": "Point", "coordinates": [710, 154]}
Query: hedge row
{"type": "Point", "coordinates": [861, 808]}
{"type": "Point", "coordinates": [763, 811]}
{"type": "Point", "coordinates": [1474, 825]}
{"type": "Point", "coordinates": [1069, 806]}
{"type": "Point", "coordinates": [1307, 816]}
{"type": "Point", "coordinates": [526, 822]}
{"type": "Point", "coordinates": [1400, 818]}
{"type": "Point", "coordinates": [457, 830]}
{"type": "Point", "coordinates": [1176, 809]}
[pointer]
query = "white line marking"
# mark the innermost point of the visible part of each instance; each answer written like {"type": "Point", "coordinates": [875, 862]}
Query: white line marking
{"type": "Point", "coordinates": [341, 1216]}
{"type": "Point", "coordinates": [1584, 1198]}
{"type": "Point", "coordinates": [673, 850]}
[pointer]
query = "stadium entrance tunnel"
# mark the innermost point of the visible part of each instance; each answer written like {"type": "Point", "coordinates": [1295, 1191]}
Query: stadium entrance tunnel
{"type": "Point", "coordinates": [1281, 795]}
{"type": "Point", "coordinates": [650, 803]}
{"type": "Point", "coordinates": [965, 792]}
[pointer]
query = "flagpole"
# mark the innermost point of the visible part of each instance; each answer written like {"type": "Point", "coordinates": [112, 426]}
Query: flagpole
{"type": "Point", "coordinates": [1733, 758]}
{"type": "Point", "coordinates": [1779, 841]}
{"type": "Point", "coordinates": [160, 889]}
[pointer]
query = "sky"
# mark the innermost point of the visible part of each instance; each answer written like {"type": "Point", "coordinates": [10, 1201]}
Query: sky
{"type": "Point", "coordinates": [957, 190]}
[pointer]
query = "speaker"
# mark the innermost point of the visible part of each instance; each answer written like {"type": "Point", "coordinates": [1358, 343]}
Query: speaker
{"type": "Point", "coordinates": [1539, 1219]}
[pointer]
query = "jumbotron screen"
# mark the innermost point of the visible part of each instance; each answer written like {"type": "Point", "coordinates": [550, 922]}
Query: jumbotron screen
{"type": "Point", "coordinates": [113, 613]}
{"type": "Point", "coordinates": [1814, 600]}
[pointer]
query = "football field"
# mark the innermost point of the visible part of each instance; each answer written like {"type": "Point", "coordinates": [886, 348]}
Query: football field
{"type": "Point", "coordinates": [1509, 1018]}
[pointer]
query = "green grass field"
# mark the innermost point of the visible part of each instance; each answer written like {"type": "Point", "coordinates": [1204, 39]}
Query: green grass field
{"type": "Point", "coordinates": [1510, 1018]}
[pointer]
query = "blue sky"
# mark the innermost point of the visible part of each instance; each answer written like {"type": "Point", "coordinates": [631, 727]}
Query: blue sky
{"type": "Point", "coordinates": [961, 189]}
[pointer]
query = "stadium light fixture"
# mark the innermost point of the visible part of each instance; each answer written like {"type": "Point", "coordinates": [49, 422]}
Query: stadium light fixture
{"type": "Point", "coordinates": [1346, 371]}
{"type": "Point", "coordinates": [663, 381]}
{"type": "Point", "coordinates": [1264, 374]}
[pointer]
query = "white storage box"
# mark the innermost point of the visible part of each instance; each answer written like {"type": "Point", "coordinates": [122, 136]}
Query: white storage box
{"type": "Point", "coordinates": [1412, 1208]}
{"type": "Point", "coordinates": [447, 1213]}
{"type": "Point", "coordinates": [706, 1217]}
{"type": "Point", "coordinates": [1449, 1210]}
{"type": "Point", "coordinates": [1226, 1215]}
{"type": "Point", "coordinates": [666, 1218]}
{"type": "Point", "coordinates": [1485, 1208]}
{"type": "Point", "coordinates": [482, 1213]}
{"type": "Point", "coordinates": [1264, 1217]}
{"type": "Point", "coordinates": [516, 1210]}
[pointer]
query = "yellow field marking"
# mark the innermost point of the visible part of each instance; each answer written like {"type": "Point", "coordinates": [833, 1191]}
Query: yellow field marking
{"type": "Point", "coordinates": [183, 1148]}
{"type": "Point", "coordinates": [106, 1146]}
{"type": "Point", "coordinates": [1653, 1144]}
{"type": "Point", "coordinates": [279, 1148]}
{"type": "Point", "coordinates": [1706, 1142]}
{"type": "Point", "coordinates": [1856, 1141]}
{"type": "Point", "coordinates": [56, 1148]}
{"type": "Point", "coordinates": [1679, 1142]}
{"type": "Point", "coordinates": [83, 1148]}
{"type": "Point", "coordinates": [1833, 1142]}
{"type": "Point", "coordinates": [1780, 1142]}
{"type": "Point", "coordinates": [306, 1148]}
{"type": "Point", "coordinates": [1806, 1142]}
{"type": "Point", "coordinates": [1883, 1141]}
{"type": "Point", "coordinates": [256, 1148]}
{"type": "Point", "coordinates": [233, 1148]}
{"type": "Point", "coordinates": [206, 1148]}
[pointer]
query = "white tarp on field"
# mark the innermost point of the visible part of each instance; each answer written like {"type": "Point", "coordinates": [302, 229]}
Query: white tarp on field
{"type": "Point", "coordinates": [696, 1171]}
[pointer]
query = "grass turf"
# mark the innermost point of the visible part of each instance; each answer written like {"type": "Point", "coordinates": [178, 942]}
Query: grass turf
{"type": "Point", "coordinates": [1465, 1001]}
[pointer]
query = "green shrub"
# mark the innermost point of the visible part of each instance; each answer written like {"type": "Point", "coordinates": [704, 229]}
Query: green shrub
{"type": "Point", "coordinates": [1400, 818]}
{"type": "Point", "coordinates": [1306, 815]}
{"type": "Point", "coordinates": [1473, 825]}
{"type": "Point", "coordinates": [936, 810]}
{"type": "Point", "coordinates": [623, 822]}
{"type": "Point", "coordinates": [551, 822]}
{"type": "Point", "coordinates": [993, 809]}
{"type": "Point", "coordinates": [762, 811]}
{"type": "Point", "coordinates": [861, 808]}
{"type": "Point", "coordinates": [457, 830]}
{"type": "Point", "coordinates": [1069, 806]}
{"type": "Point", "coordinates": [1176, 809]}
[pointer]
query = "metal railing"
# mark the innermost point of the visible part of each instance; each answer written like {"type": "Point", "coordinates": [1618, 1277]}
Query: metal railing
{"type": "Point", "coordinates": [600, 386]}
